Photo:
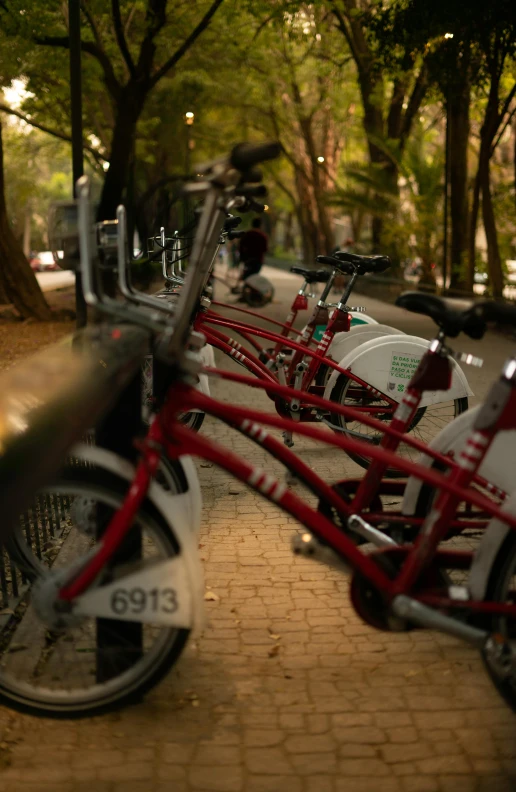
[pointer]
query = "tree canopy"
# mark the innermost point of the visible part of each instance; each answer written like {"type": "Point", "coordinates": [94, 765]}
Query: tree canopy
{"type": "Point", "coordinates": [363, 95]}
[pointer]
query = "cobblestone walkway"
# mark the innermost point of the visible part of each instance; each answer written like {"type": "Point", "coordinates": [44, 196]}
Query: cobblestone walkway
{"type": "Point", "coordinates": [287, 690]}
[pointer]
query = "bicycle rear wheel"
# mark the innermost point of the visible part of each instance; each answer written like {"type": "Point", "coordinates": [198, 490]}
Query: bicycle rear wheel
{"type": "Point", "coordinates": [427, 423]}
{"type": "Point", "coordinates": [75, 670]}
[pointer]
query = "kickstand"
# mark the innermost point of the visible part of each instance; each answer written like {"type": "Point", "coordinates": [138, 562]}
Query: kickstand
{"type": "Point", "coordinates": [287, 439]}
{"type": "Point", "coordinates": [290, 479]}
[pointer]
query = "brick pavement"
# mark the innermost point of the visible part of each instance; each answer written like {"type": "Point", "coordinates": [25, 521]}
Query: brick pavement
{"type": "Point", "coordinates": [286, 690]}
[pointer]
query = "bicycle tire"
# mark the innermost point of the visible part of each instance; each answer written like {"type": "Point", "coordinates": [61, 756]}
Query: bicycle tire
{"type": "Point", "coordinates": [128, 687]}
{"type": "Point", "coordinates": [502, 570]}
{"type": "Point", "coordinates": [27, 555]}
{"type": "Point", "coordinates": [339, 396]}
{"type": "Point", "coordinates": [193, 420]}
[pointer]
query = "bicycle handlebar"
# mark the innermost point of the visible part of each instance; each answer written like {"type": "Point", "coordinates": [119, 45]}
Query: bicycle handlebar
{"type": "Point", "coordinates": [245, 155]}
{"type": "Point", "coordinates": [252, 190]}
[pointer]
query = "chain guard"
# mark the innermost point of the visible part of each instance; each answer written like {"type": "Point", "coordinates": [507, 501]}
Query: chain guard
{"type": "Point", "coordinates": [370, 603]}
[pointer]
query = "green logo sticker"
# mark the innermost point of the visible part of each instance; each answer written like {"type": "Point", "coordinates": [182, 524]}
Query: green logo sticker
{"type": "Point", "coordinates": [319, 332]}
{"type": "Point", "coordinates": [356, 321]}
{"type": "Point", "coordinates": [401, 371]}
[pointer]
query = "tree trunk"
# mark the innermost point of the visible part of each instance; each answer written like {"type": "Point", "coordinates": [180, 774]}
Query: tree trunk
{"type": "Point", "coordinates": [26, 231]}
{"type": "Point", "coordinates": [18, 284]}
{"type": "Point", "coordinates": [493, 251]}
{"type": "Point", "coordinates": [461, 276]}
{"type": "Point", "coordinates": [122, 147]}
{"type": "Point", "coordinates": [514, 152]}
{"type": "Point", "coordinates": [357, 223]}
{"type": "Point", "coordinates": [307, 214]}
{"type": "Point", "coordinates": [473, 222]}
{"type": "Point", "coordinates": [376, 158]}
{"type": "Point", "coordinates": [288, 239]}
{"type": "Point", "coordinates": [483, 186]}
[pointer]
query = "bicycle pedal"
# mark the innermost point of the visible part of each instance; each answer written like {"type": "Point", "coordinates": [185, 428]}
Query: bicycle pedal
{"type": "Point", "coordinates": [308, 546]}
{"type": "Point", "coordinates": [369, 533]}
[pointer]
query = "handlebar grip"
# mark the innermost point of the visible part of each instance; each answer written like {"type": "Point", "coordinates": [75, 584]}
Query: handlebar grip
{"type": "Point", "coordinates": [235, 234]}
{"type": "Point", "coordinates": [245, 155]}
{"type": "Point", "coordinates": [421, 302]}
{"type": "Point", "coordinates": [502, 313]}
{"type": "Point", "coordinates": [252, 190]}
{"type": "Point", "coordinates": [232, 222]}
{"type": "Point", "coordinates": [254, 206]}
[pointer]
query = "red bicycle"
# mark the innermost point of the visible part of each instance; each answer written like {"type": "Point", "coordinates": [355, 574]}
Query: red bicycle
{"type": "Point", "coordinates": [157, 586]}
{"type": "Point", "coordinates": [377, 391]}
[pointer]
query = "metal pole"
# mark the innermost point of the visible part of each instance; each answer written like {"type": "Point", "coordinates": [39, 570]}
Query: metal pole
{"type": "Point", "coordinates": [446, 189]}
{"type": "Point", "coordinates": [74, 22]}
{"type": "Point", "coordinates": [186, 200]}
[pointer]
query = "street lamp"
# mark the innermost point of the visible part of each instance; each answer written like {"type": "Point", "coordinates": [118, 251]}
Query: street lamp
{"type": "Point", "coordinates": [189, 119]}
{"type": "Point", "coordinates": [320, 160]}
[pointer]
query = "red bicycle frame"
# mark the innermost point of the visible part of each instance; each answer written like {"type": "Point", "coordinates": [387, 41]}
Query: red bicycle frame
{"type": "Point", "coordinates": [167, 435]}
{"type": "Point", "coordinates": [245, 357]}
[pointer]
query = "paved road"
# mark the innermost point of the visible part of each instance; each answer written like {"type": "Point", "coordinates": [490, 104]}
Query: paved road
{"type": "Point", "coordinates": [286, 690]}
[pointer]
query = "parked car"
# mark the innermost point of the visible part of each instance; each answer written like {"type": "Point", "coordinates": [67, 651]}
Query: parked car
{"type": "Point", "coordinates": [44, 261]}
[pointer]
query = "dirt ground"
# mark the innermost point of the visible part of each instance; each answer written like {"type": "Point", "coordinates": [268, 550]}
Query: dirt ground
{"type": "Point", "coordinates": [19, 339]}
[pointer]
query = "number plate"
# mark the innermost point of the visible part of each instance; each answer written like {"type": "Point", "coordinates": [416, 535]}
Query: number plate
{"type": "Point", "coordinates": [158, 593]}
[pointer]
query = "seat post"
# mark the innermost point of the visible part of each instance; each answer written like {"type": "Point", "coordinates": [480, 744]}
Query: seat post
{"type": "Point", "coordinates": [326, 290]}
{"type": "Point", "coordinates": [349, 289]}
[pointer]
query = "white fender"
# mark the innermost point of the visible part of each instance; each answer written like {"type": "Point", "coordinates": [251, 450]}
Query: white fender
{"type": "Point", "coordinates": [487, 550]}
{"type": "Point", "coordinates": [387, 364]}
{"type": "Point", "coordinates": [191, 498]}
{"type": "Point", "coordinates": [498, 467]}
{"type": "Point", "coordinates": [175, 506]}
{"type": "Point", "coordinates": [208, 355]}
{"type": "Point", "coordinates": [344, 343]}
{"type": "Point", "coordinates": [208, 359]}
{"type": "Point", "coordinates": [358, 319]}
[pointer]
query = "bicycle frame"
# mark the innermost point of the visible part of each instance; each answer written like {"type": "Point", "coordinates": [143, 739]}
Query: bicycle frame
{"type": "Point", "coordinates": [287, 327]}
{"type": "Point", "coordinates": [245, 358]}
{"type": "Point", "coordinates": [167, 435]}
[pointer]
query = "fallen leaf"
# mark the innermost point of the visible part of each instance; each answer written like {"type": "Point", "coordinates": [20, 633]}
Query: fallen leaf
{"type": "Point", "coordinates": [210, 596]}
{"type": "Point", "coordinates": [206, 464]}
{"type": "Point", "coordinates": [195, 703]}
{"type": "Point", "coordinates": [274, 637]}
{"type": "Point", "coordinates": [274, 650]}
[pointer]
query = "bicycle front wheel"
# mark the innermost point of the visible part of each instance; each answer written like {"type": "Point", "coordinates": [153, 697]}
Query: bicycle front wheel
{"type": "Point", "coordinates": [90, 665]}
{"type": "Point", "coordinates": [501, 588]}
